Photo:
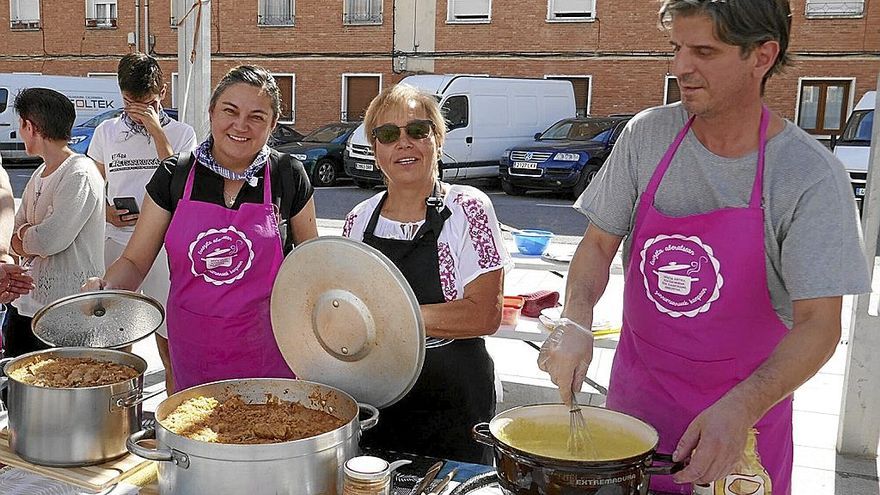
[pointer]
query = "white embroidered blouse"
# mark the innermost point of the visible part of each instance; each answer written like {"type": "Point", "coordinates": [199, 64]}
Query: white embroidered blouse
{"type": "Point", "coordinates": [469, 245]}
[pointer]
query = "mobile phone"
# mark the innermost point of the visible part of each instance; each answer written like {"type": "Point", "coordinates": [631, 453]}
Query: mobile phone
{"type": "Point", "coordinates": [127, 203]}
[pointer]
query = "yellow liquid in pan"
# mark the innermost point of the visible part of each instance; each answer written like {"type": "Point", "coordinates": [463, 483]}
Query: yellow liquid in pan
{"type": "Point", "coordinates": [549, 439]}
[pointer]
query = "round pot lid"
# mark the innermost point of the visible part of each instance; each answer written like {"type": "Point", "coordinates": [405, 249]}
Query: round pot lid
{"type": "Point", "coordinates": [108, 319]}
{"type": "Point", "coordinates": [344, 315]}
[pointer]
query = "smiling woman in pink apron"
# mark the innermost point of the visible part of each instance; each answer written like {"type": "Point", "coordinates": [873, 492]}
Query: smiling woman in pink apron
{"type": "Point", "coordinates": [227, 213]}
{"type": "Point", "coordinates": [446, 241]}
{"type": "Point", "coordinates": [741, 238]}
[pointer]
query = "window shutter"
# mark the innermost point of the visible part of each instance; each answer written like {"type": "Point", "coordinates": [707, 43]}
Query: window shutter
{"type": "Point", "coordinates": [835, 7]}
{"type": "Point", "coordinates": [583, 7]}
{"type": "Point", "coordinates": [673, 92]}
{"type": "Point", "coordinates": [361, 91]}
{"type": "Point", "coordinates": [25, 10]}
{"type": "Point", "coordinates": [470, 8]}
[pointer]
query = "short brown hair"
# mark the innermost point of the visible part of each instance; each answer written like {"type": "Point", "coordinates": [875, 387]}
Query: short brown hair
{"type": "Point", "coordinates": [400, 96]}
{"type": "Point", "coordinates": [139, 74]}
{"type": "Point", "coordinates": [742, 23]}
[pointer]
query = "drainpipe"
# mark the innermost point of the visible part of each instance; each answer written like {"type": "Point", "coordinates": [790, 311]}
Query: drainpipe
{"type": "Point", "coordinates": [137, 25]}
{"type": "Point", "coordinates": [148, 44]}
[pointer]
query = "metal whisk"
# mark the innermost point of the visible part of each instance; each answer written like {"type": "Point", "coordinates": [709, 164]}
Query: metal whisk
{"type": "Point", "coordinates": [579, 438]}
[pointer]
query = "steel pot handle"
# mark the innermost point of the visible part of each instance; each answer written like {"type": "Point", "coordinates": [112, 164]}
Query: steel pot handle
{"type": "Point", "coordinates": [131, 401]}
{"type": "Point", "coordinates": [163, 455]}
{"type": "Point", "coordinates": [3, 378]}
{"type": "Point", "coordinates": [372, 420]}
{"type": "Point", "coordinates": [672, 468]}
{"type": "Point", "coordinates": [481, 433]}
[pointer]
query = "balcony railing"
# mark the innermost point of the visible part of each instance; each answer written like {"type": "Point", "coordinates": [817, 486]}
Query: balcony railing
{"type": "Point", "coordinates": [361, 18]}
{"type": "Point", "coordinates": [101, 22]}
{"type": "Point", "coordinates": [24, 24]}
{"type": "Point", "coordinates": [275, 20]}
{"type": "Point", "coordinates": [835, 9]}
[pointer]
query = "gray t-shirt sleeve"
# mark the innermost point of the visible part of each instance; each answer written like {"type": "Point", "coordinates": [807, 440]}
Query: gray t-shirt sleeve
{"type": "Point", "coordinates": [610, 199]}
{"type": "Point", "coordinates": [822, 254]}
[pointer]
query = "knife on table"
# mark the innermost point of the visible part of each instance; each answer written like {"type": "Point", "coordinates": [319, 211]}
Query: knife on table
{"type": "Point", "coordinates": [437, 490]}
{"type": "Point", "coordinates": [422, 485]}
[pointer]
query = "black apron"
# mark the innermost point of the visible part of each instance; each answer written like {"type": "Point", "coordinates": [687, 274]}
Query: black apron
{"type": "Point", "coordinates": [456, 388]}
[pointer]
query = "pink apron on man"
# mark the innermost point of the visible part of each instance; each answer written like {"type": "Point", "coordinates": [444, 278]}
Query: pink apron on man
{"type": "Point", "coordinates": [223, 264]}
{"type": "Point", "coordinates": [697, 320]}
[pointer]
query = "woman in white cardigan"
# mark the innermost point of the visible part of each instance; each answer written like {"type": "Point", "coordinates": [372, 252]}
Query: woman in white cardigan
{"type": "Point", "coordinates": [59, 227]}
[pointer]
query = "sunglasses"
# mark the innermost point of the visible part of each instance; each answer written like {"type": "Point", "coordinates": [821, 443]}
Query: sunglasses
{"type": "Point", "coordinates": [390, 133]}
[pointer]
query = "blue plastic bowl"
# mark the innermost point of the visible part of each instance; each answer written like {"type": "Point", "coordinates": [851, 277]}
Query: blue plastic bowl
{"type": "Point", "coordinates": [532, 242]}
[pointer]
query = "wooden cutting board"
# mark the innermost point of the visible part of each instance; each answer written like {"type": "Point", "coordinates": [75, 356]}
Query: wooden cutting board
{"type": "Point", "coordinates": [95, 478]}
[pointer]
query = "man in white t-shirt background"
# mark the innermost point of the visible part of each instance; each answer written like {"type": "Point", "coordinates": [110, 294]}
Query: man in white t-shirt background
{"type": "Point", "coordinates": [128, 149]}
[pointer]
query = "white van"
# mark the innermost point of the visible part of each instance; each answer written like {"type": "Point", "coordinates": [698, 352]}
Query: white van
{"type": "Point", "coordinates": [90, 96]}
{"type": "Point", "coordinates": [484, 115]}
{"type": "Point", "coordinates": [854, 144]}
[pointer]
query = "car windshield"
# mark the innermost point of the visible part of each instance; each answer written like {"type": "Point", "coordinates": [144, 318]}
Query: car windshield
{"type": "Point", "coordinates": [327, 134]}
{"type": "Point", "coordinates": [858, 130]}
{"type": "Point", "coordinates": [578, 130]}
{"type": "Point", "coordinates": [97, 119]}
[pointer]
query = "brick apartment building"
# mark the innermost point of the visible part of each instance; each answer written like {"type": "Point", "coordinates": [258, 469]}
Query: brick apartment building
{"type": "Point", "coordinates": [331, 57]}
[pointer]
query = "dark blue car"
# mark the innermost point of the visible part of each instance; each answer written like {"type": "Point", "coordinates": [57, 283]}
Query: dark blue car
{"type": "Point", "coordinates": [565, 157]}
{"type": "Point", "coordinates": [321, 152]}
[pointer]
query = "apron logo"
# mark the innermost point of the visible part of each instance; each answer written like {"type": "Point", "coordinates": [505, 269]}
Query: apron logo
{"type": "Point", "coordinates": [681, 274]}
{"type": "Point", "coordinates": [221, 256]}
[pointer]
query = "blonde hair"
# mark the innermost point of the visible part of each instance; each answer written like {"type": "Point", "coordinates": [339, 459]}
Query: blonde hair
{"type": "Point", "coordinates": [404, 96]}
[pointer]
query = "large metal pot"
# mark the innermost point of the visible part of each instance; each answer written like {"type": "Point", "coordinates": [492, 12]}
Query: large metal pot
{"type": "Point", "coordinates": [73, 426]}
{"type": "Point", "coordinates": [310, 466]}
{"type": "Point", "coordinates": [524, 473]}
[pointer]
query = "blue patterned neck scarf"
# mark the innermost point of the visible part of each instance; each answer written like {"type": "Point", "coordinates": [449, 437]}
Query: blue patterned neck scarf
{"type": "Point", "coordinates": [204, 156]}
{"type": "Point", "coordinates": [134, 128]}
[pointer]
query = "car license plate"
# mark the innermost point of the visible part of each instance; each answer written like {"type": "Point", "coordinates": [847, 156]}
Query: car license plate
{"type": "Point", "coordinates": [363, 166]}
{"type": "Point", "coordinates": [860, 192]}
{"type": "Point", "coordinates": [526, 165]}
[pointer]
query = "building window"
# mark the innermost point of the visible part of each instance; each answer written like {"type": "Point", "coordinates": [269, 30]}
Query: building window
{"type": "Point", "coordinates": [582, 87]}
{"type": "Point", "coordinates": [362, 12]}
{"type": "Point", "coordinates": [822, 106]}
{"type": "Point", "coordinates": [275, 13]}
{"type": "Point", "coordinates": [571, 10]}
{"type": "Point", "coordinates": [101, 13]}
{"type": "Point", "coordinates": [286, 85]}
{"type": "Point", "coordinates": [468, 10]}
{"type": "Point", "coordinates": [24, 14]}
{"type": "Point", "coordinates": [835, 8]}
{"type": "Point", "coordinates": [358, 90]}
{"type": "Point", "coordinates": [672, 92]}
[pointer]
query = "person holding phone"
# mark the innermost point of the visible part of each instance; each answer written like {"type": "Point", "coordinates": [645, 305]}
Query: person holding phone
{"type": "Point", "coordinates": [226, 214]}
{"type": "Point", "coordinates": [59, 227]}
{"type": "Point", "coordinates": [128, 150]}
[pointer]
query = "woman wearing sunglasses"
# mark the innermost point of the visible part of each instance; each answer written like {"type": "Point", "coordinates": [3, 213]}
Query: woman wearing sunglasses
{"type": "Point", "coordinates": [227, 213]}
{"type": "Point", "coordinates": [446, 241]}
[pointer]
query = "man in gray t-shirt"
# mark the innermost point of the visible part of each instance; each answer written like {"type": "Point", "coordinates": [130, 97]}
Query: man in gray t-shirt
{"type": "Point", "coordinates": [740, 238]}
{"type": "Point", "coordinates": [810, 219]}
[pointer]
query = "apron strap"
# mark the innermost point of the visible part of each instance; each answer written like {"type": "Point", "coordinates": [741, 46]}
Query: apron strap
{"type": "Point", "coordinates": [660, 171]}
{"type": "Point", "coordinates": [190, 159]}
{"type": "Point", "coordinates": [267, 184]}
{"type": "Point", "coordinates": [758, 186]}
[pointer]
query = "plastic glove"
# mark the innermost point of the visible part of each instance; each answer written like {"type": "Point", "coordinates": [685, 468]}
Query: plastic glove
{"type": "Point", "coordinates": [566, 356]}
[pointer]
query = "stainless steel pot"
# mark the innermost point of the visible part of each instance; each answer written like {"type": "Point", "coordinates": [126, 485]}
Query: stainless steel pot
{"type": "Point", "coordinates": [310, 466]}
{"type": "Point", "coordinates": [73, 426]}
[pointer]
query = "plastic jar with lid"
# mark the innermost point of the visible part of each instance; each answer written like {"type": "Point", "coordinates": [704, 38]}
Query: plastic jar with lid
{"type": "Point", "coordinates": [368, 475]}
